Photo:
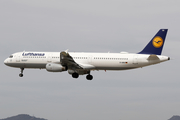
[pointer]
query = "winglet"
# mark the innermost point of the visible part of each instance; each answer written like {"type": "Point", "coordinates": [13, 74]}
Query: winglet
{"type": "Point", "coordinates": [155, 46]}
{"type": "Point", "coordinates": [66, 51]}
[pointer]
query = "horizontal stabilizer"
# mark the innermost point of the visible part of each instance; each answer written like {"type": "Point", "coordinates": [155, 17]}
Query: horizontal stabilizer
{"type": "Point", "coordinates": [153, 57]}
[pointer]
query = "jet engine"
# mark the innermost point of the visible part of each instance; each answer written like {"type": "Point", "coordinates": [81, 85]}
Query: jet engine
{"type": "Point", "coordinates": [54, 67]}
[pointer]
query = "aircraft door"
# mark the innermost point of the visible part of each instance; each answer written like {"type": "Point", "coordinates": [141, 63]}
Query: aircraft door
{"type": "Point", "coordinates": [90, 59]}
{"type": "Point", "coordinates": [18, 58]}
{"type": "Point", "coordinates": [135, 59]}
{"type": "Point", "coordinates": [49, 59]}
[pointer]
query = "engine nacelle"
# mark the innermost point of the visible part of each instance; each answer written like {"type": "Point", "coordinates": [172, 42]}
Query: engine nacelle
{"type": "Point", "coordinates": [54, 67]}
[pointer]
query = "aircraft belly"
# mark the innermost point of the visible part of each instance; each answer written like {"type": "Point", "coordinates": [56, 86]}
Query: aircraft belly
{"type": "Point", "coordinates": [115, 68]}
{"type": "Point", "coordinates": [114, 65]}
{"type": "Point", "coordinates": [28, 65]}
{"type": "Point", "coordinates": [35, 65]}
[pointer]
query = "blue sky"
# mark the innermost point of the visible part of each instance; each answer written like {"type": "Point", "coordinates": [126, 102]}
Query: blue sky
{"type": "Point", "coordinates": [90, 26]}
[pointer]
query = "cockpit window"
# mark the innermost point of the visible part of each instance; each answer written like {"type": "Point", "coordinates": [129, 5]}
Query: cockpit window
{"type": "Point", "coordinates": [11, 56]}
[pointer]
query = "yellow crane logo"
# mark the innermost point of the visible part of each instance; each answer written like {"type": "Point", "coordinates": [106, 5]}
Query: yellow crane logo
{"type": "Point", "coordinates": [157, 42]}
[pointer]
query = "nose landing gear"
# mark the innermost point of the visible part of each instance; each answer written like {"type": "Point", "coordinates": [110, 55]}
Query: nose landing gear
{"type": "Point", "coordinates": [21, 74]}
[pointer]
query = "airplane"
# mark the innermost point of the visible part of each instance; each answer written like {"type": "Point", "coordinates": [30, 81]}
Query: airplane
{"type": "Point", "coordinates": [81, 63]}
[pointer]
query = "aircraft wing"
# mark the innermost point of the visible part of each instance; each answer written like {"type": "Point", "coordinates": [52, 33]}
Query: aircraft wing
{"type": "Point", "coordinates": [67, 60]}
{"type": "Point", "coordinates": [87, 66]}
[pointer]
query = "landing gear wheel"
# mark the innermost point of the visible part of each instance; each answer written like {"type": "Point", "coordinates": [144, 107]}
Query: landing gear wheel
{"type": "Point", "coordinates": [75, 75]}
{"type": "Point", "coordinates": [89, 77]}
{"type": "Point", "coordinates": [20, 75]}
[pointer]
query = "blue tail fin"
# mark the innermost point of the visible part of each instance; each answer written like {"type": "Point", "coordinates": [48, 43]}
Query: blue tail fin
{"type": "Point", "coordinates": [155, 46]}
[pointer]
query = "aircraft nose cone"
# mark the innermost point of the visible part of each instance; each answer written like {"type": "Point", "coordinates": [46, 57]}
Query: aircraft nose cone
{"type": "Point", "coordinates": [5, 61]}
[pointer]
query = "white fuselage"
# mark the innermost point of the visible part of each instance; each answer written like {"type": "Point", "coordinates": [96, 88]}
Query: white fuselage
{"type": "Point", "coordinates": [91, 61]}
{"type": "Point", "coordinates": [79, 63]}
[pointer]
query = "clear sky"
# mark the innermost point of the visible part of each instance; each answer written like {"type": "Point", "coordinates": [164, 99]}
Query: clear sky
{"type": "Point", "coordinates": [150, 93]}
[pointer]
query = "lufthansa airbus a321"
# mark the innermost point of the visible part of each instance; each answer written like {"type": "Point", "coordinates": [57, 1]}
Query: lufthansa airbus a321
{"type": "Point", "coordinates": [80, 63]}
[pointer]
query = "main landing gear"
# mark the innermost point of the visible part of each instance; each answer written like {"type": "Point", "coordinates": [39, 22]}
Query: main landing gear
{"type": "Point", "coordinates": [88, 77]}
{"type": "Point", "coordinates": [75, 75]}
{"type": "Point", "coordinates": [21, 74]}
